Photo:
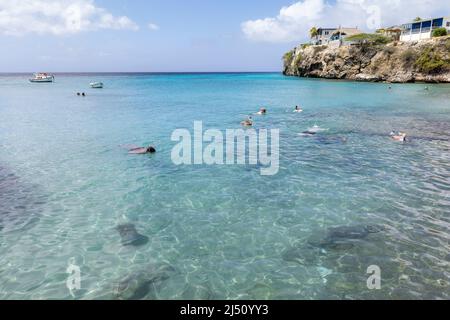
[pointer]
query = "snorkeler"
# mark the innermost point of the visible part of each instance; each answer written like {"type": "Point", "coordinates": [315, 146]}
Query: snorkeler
{"type": "Point", "coordinates": [83, 94]}
{"type": "Point", "coordinates": [298, 109]}
{"type": "Point", "coordinates": [78, 94]}
{"type": "Point", "coordinates": [308, 133]}
{"type": "Point", "coordinates": [142, 150]}
{"type": "Point", "coordinates": [313, 131]}
{"type": "Point", "coordinates": [398, 136]}
{"type": "Point", "coordinates": [262, 111]}
{"type": "Point", "coordinates": [248, 122]}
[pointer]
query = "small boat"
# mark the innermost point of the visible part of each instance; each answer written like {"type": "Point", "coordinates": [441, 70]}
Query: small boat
{"type": "Point", "coordinates": [42, 78]}
{"type": "Point", "coordinates": [96, 85]}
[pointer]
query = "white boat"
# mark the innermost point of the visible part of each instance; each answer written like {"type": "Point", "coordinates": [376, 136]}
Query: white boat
{"type": "Point", "coordinates": [96, 85]}
{"type": "Point", "coordinates": [42, 77]}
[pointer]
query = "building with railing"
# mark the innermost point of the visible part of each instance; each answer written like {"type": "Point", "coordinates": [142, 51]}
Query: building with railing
{"type": "Point", "coordinates": [423, 29]}
{"type": "Point", "coordinates": [326, 36]}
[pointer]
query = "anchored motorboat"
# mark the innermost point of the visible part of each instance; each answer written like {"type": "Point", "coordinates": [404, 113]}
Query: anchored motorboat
{"type": "Point", "coordinates": [42, 77]}
{"type": "Point", "coordinates": [96, 85]}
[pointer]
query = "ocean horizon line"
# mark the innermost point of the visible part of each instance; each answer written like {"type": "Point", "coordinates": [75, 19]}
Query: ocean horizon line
{"type": "Point", "coordinates": [141, 73]}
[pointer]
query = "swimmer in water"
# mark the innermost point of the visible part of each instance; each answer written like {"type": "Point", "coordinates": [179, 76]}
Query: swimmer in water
{"type": "Point", "coordinates": [78, 94]}
{"type": "Point", "coordinates": [298, 109]}
{"type": "Point", "coordinates": [262, 112]}
{"type": "Point", "coordinates": [399, 136]}
{"type": "Point", "coordinates": [313, 131]}
{"type": "Point", "coordinates": [248, 122]}
{"type": "Point", "coordinates": [308, 133]}
{"type": "Point", "coordinates": [317, 129]}
{"type": "Point", "coordinates": [142, 150]}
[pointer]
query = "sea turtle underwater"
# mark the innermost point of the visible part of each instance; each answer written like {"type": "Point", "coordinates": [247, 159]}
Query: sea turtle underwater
{"type": "Point", "coordinates": [327, 140]}
{"type": "Point", "coordinates": [20, 202]}
{"type": "Point", "coordinates": [352, 232]}
{"type": "Point", "coordinates": [144, 283]}
{"type": "Point", "coordinates": [341, 237]}
{"type": "Point", "coordinates": [336, 239]}
{"type": "Point", "coordinates": [130, 236]}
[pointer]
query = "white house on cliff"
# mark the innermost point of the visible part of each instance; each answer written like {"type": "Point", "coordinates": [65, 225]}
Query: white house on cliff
{"type": "Point", "coordinates": [419, 30]}
{"type": "Point", "coordinates": [329, 35]}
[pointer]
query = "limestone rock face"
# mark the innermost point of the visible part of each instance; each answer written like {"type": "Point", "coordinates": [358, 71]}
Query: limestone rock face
{"type": "Point", "coordinates": [396, 62]}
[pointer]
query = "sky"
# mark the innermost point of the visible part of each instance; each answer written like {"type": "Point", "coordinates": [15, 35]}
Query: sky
{"type": "Point", "coordinates": [180, 35]}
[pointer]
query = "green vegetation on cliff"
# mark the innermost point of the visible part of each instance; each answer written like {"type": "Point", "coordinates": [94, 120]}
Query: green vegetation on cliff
{"type": "Point", "coordinates": [430, 61]}
{"type": "Point", "coordinates": [409, 58]}
{"type": "Point", "coordinates": [298, 59]}
{"type": "Point", "coordinates": [440, 32]}
{"type": "Point", "coordinates": [287, 58]}
{"type": "Point", "coordinates": [369, 38]}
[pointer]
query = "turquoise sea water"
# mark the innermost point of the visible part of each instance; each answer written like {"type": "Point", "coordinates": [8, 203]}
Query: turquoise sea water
{"type": "Point", "coordinates": [222, 232]}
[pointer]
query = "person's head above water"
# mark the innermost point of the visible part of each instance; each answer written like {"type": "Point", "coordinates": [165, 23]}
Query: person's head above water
{"type": "Point", "coordinates": [151, 149]}
{"type": "Point", "coordinates": [398, 136]}
{"type": "Point", "coordinates": [262, 111]}
{"type": "Point", "coordinates": [248, 122]}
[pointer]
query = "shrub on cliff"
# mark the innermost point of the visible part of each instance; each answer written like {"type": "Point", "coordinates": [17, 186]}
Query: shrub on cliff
{"type": "Point", "coordinates": [439, 32]}
{"type": "Point", "coordinates": [298, 59]}
{"type": "Point", "coordinates": [318, 49]}
{"type": "Point", "coordinates": [409, 57]}
{"type": "Point", "coordinates": [389, 50]}
{"type": "Point", "coordinates": [287, 58]}
{"type": "Point", "coordinates": [305, 45]}
{"type": "Point", "coordinates": [369, 38]}
{"type": "Point", "coordinates": [431, 62]}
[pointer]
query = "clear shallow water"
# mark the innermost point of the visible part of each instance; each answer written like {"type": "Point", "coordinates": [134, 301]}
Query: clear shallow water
{"type": "Point", "coordinates": [222, 232]}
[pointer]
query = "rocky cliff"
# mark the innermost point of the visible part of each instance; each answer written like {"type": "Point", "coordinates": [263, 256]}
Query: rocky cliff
{"type": "Point", "coordinates": [424, 61]}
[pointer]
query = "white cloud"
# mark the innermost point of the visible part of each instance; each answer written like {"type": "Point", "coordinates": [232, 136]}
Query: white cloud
{"type": "Point", "coordinates": [153, 27]}
{"type": "Point", "coordinates": [293, 22]}
{"type": "Point", "coordinates": [57, 17]}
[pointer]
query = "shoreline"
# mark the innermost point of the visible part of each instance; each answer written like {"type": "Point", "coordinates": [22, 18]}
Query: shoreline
{"type": "Point", "coordinates": [366, 81]}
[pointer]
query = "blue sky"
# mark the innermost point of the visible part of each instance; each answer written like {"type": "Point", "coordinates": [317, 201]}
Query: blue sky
{"type": "Point", "coordinates": [176, 35]}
